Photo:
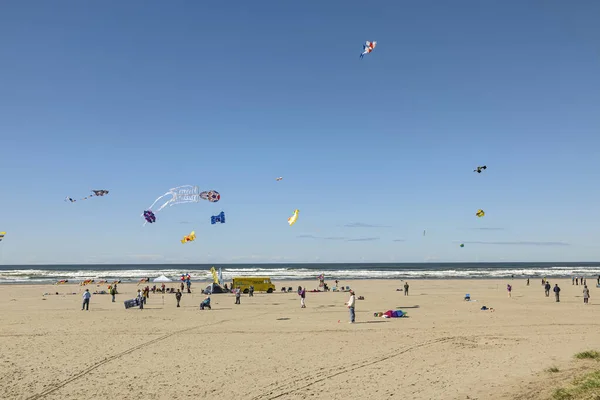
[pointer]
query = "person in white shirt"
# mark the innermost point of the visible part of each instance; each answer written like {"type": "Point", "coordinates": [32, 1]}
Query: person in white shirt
{"type": "Point", "coordinates": [86, 300]}
{"type": "Point", "coordinates": [351, 302]}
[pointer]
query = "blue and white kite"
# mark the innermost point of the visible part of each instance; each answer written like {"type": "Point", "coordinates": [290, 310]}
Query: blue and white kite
{"type": "Point", "coordinates": [218, 218]}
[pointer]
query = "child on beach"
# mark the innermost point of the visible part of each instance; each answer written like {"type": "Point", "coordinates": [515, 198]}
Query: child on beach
{"type": "Point", "coordinates": [238, 295]}
{"type": "Point", "coordinates": [302, 297]}
{"type": "Point", "coordinates": [509, 289]}
{"type": "Point", "coordinates": [586, 294]}
{"type": "Point", "coordinates": [178, 296]}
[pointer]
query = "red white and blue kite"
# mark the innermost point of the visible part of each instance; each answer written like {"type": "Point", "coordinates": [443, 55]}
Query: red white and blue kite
{"type": "Point", "coordinates": [367, 48]}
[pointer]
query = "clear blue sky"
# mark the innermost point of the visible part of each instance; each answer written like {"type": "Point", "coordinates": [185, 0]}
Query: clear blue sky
{"type": "Point", "coordinates": [138, 96]}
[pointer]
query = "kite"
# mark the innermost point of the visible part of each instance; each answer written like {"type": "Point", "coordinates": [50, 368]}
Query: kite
{"type": "Point", "coordinates": [423, 233]}
{"type": "Point", "coordinates": [367, 48]}
{"type": "Point", "coordinates": [278, 179]}
{"type": "Point", "coordinates": [462, 245]}
{"type": "Point", "coordinates": [95, 193]}
{"type": "Point", "coordinates": [149, 216]}
{"type": "Point", "coordinates": [218, 218]}
{"type": "Point", "coordinates": [480, 213]}
{"type": "Point", "coordinates": [2, 234]}
{"type": "Point", "coordinates": [189, 238]}
{"type": "Point", "coordinates": [292, 220]}
{"type": "Point", "coordinates": [186, 194]}
{"type": "Point", "coordinates": [479, 169]}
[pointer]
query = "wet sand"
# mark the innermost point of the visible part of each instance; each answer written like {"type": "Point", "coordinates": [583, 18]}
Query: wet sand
{"type": "Point", "coordinates": [268, 347]}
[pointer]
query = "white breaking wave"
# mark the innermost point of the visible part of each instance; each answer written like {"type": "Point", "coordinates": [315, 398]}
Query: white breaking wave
{"type": "Point", "coordinates": [134, 275]}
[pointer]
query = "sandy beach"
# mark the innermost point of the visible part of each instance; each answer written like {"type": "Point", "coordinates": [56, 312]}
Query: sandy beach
{"type": "Point", "coordinates": [268, 347]}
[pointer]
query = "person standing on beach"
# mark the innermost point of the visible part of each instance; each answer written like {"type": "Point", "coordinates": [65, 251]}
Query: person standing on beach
{"type": "Point", "coordinates": [140, 299]}
{"type": "Point", "coordinates": [509, 289]}
{"type": "Point", "coordinates": [573, 281]}
{"type": "Point", "coordinates": [178, 296]}
{"type": "Point", "coordinates": [406, 288]}
{"type": "Point", "coordinates": [527, 281]}
{"type": "Point", "coordinates": [557, 292]}
{"type": "Point", "coordinates": [351, 302]}
{"type": "Point", "coordinates": [547, 289]}
{"type": "Point", "coordinates": [586, 294]}
{"type": "Point", "coordinates": [86, 300]}
{"type": "Point", "coordinates": [113, 292]}
{"type": "Point", "coordinates": [302, 297]}
{"type": "Point", "coordinates": [238, 295]}
{"type": "Point", "coordinates": [251, 291]}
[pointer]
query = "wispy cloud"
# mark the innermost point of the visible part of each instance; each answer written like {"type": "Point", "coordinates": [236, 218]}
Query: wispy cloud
{"type": "Point", "coordinates": [307, 237]}
{"type": "Point", "coordinates": [367, 239]}
{"type": "Point", "coordinates": [363, 225]}
{"type": "Point", "coordinates": [482, 229]}
{"type": "Point", "coordinates": [521, 243]}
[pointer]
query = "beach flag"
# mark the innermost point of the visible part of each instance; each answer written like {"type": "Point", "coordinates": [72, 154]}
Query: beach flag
{"type": "Point", "coordinates": [2, 235]}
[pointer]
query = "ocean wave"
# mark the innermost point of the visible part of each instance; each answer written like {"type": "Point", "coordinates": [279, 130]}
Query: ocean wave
{"type": "Point", "coordinates": [30, 275]}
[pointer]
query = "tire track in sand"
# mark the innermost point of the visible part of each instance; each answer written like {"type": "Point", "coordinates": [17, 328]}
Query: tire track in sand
{"type": "Point", "coordinates": [97, 365]}
{"type": "Point", "coordinates": [290, 387]}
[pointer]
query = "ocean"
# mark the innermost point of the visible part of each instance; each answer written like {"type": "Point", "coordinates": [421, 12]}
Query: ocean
{"type": "Point", "coordinates": [39, 274]}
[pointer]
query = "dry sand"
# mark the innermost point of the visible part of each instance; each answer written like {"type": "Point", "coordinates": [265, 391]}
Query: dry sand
{"type": "Point", "coordinates": [268, 347]}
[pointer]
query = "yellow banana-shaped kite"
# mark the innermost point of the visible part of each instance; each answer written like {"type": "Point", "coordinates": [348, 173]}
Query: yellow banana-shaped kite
{"type": "Point", "coordinates": [292, 220]}
{"type": "Point", "coordinates": [480, 213]}
{"type": "Point", "coordinates": [189, 238]}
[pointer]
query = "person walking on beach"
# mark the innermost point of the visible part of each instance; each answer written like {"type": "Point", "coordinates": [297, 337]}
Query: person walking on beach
{"type": "Point", "coordinates": [238, 295]}
{"type": "Point", "coordinates": [113, 292]}
{"type": "Point", "coordinates": [557, 292]}
{"type": "Point", "coordinates": [547, 289]}
{"type": "Point", "coordinates": [406, 288]}
{"type": "Point", "coordinates": [586, 294]}
{"type": "Point", "coordinates": [351, 302]}
{"type": "Point", "coordinates": [302, 297]}
{"type": "Point", "coordinates": [178, 296]}
{"type": "Point", "coordinates": [86, 300]}
{"type": "Point", "coordinates": [251, 291]}
{"type": "Point", "coordinates": [509, 289]}
{"type": "Point", "coordinates": [573, 281]}
{"type": "Point", "coordinates": [527, 281]}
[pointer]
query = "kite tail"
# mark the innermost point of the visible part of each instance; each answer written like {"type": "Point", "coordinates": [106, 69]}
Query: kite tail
{"type": "Point", "coordinates": [156, 201]}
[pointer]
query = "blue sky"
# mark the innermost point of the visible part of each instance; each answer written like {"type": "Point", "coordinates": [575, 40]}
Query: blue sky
{"type": "Point", "coordinates": [137, 97]}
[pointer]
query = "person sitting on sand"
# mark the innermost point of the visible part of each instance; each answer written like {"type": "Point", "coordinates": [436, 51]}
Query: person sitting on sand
{"type": "Point", "coordinates": [205, 303]}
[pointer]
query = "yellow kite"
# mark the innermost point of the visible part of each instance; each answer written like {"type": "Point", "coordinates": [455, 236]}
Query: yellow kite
{"type": "Point", "coordinates": [189, 238]}
{"type": "Point", "coordinates": [292, 220]}
{"type": "Point", "coordinates": [480, 213]}
{"type": "Point", "coordinates": [2, 235]}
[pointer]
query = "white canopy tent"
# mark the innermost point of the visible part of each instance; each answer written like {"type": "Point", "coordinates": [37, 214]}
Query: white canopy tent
{"type": "Point", "coordinates": [162, 278]}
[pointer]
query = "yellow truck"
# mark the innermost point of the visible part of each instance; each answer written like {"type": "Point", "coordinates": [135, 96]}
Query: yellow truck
{"type": "Point", "coordinates": [261, 284]}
